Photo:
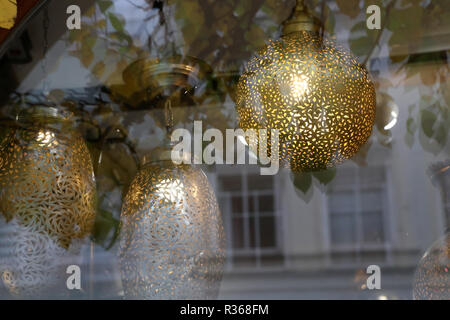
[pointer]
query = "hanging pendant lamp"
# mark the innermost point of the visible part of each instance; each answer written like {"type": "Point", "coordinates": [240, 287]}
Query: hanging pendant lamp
{"type": "Point", "coordinates": [172, 244]}
{"type": "Point", "coordinates": [47, 201]}
{"type": "Point", "coordinates": [172, 238]}
{"type": "Point", "coordinates": [313, 91]}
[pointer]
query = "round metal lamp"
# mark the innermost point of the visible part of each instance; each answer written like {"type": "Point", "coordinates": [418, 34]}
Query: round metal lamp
{"type": "Point", "coordinates": [313, 91]}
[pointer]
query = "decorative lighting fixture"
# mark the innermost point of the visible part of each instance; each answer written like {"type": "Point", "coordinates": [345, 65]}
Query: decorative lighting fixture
{"type": "Point", "coordinates": [172, 239]}
{"type": "Point", "coordinates": [314, 92]}
{"type": "Point", "coordinates": [47, 200]}
{"type": "Point", "coordinates": [149, 82]}
{"type": "Point", "coordinates": [432, 276]}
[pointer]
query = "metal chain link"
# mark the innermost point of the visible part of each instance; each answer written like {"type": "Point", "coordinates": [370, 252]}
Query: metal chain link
{"type": "Point", "coordinates": [168, 116]}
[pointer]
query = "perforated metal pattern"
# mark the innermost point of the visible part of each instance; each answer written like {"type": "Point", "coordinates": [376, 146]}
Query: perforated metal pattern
{"type": "Point", "coordinates": [432, 276]}
{"type": "Point", "coordinates": [172, 244]}
{"type": "Point", "coordinates": [47, 204]}
{"type": "Point", "coordinates": [33, 265]}
{"type": "Point", "coordinates": [316, 94]}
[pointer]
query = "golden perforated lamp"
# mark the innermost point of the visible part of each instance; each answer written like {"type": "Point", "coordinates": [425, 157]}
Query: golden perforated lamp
{"type": "Point", "coordinates": [47, 201]}
{"type": "Point", "coordinates": [313, 91]}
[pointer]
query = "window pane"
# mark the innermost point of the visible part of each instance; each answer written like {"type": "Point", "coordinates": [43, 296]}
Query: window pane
{"type": "Point", "coordinates": [372, 200]}
{"type": "Point", "coordinates": [258, 182]}
{"type": "Point", "coordinates": [236, 205]}
{"type": "Point", "coordinates": [252, 233]}
{"type": "Point", "coordinates": [373, 227]}
{"type": "Point", "coordinates": [230, 183]}
{"type": "Point", "coordinates": [343, 229]}
{"type": "Point", "coordinates": [266, 204]}
{"type": "Point", "coordinates": [251, 204]}
{"type": "Point", "coordinates": [238, 233]}
{"type": "Point", "coordinates": [342, 202]}
{"type": "Point", "coordinates": [267, 232]}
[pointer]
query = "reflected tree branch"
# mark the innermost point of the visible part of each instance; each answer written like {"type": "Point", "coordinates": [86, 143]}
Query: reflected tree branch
{"type": "Point", "coordinates": [380, 32]}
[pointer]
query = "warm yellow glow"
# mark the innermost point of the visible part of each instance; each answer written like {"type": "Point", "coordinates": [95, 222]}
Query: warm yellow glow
{"type": "Point", "coordinates": [299, 86]}
{"type": "Point", "coordinates": [315, 94]}
{"type": "Point", "coordinates": [171, 190]}
{"type": "Point", "coordinates": [48, 198]}
{"type": "Point", "coordinates": [45, 137]}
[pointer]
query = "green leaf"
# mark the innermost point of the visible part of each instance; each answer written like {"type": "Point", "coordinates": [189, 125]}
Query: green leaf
{"type": "Point", "coordinates": [192, 18]}
{"type": "Point", "coordinates": [104, 5]}
{"type": "Point", "coordinates": [302, 181]}
{"type": "Point", "coordinates": [123, 49]}
{"type": "Point", "coordinates": [90, 41]}
{"type": "Point", "coordinates": [256, 37]}
{"type": "Point", "coordinates": [360, 46]}
{"type": "Point", "coordinates": [116, 22]}
{"type": "Point", "coordinates": [411, 125]}
{"type": "Point", "coordinates": [99, 69]}
{"type": "Point", "coordinates": [105, 223]}
{"type": "Point", "coordinates": [86, 55]}
{"type": "Point", "coordinates": [441, 134]}
{"type": "Point", "coordinates": [325, 176]}
{"type": "Point", "coordinates": [428, 119]}
{"type": "Point", "coordinates": [362, 39]}
{"type": "Point", "coordinates": [349, 7]}
{"type": "Point", "coordinates": [406, 25]}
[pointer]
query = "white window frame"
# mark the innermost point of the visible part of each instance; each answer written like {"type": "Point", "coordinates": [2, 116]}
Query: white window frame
{"type": "Point", "coordinates": [257, 252]}
{"type": "Point", "coordinates": [360, 246]}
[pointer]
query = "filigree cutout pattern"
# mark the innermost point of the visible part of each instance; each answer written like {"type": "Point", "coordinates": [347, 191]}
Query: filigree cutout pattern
{"type": "Point", "coordinates": [316, 94]}
{"type": "Point", "coordinates": [432, 277]}
{"type": "Point", "coordinates": [47, 197]}
{"type": "Point", "coordinates": [172, 244]}
{"type": "Point", "coordinates": [33, 265]}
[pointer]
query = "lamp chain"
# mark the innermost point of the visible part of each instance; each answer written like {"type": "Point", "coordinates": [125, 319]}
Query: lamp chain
{"type": "Point", "coordinates": [168, 116]}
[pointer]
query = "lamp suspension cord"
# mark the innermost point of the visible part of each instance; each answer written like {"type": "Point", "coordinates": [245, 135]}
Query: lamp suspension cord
{"type": "Point", "coordinates": [168, 116]}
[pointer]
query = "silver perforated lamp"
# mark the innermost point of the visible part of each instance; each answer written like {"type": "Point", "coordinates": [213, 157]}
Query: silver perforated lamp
{"type": "Point", "coordinates": [172, 239]}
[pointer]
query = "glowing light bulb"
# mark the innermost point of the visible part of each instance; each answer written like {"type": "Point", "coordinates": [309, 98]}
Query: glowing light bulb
{"type": "Point", "coordinates": [171, 190]}
{"type": "Point", "coordinates": [45, 137]}
{"type": "Point", "coordinates": [299, 86]}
